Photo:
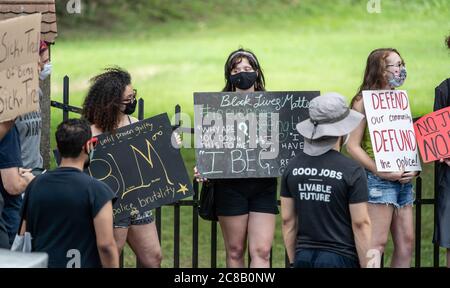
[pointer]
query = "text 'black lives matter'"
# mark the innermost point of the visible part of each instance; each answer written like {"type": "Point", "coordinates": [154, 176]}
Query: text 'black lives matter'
{"type": "Point", "coordinates": [246, 135]}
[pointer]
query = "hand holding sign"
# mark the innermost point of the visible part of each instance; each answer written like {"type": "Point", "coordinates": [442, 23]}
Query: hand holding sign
{"type": "Point", "coordinates": [446, 161]}
{"type": "Point", "coordinates": [407, 177]}
{"type": "Point", "coordinates": [391, 176]}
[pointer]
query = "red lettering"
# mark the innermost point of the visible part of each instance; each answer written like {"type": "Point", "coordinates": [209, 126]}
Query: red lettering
{"type": "Point", "coordinates": [390, 100]}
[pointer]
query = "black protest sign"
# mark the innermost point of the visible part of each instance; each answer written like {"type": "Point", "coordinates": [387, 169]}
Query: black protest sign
{"type": "Point", "coordinates": [245, 135]}
{"type": "Point", "coordinates": [141, 166]}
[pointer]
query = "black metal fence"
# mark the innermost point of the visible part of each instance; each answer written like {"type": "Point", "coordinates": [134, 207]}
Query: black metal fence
{"type": "Point", "coordinates": [419, 202]}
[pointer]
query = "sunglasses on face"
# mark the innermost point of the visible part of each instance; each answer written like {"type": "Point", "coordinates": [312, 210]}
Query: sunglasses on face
{"type": "Point", "coordinates": [398, 65]}
{"type": "Point", "coordinates": [131, 98]}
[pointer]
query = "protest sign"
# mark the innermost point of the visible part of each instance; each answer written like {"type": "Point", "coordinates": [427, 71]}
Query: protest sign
{"type": "Point", "coordinates": [139, 163]}
{"type": "Point", "coordinates": [433, 135]}
{"type": "Point", "coordinates": [246, 135]}
{"type": "Point", "coordinates": [391, 130]}
{"type": "Point", "coordinates": [19, 56]}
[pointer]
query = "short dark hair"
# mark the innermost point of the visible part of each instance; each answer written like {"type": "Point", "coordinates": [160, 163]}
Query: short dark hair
{"type": "Point", "coordinates": [71, 135]}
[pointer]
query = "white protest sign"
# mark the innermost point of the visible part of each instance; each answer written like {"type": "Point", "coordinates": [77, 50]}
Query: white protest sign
{"type": "Point", "coordinates": [19, 55]}
{"type": "Point", "coordinates": [391, 130]}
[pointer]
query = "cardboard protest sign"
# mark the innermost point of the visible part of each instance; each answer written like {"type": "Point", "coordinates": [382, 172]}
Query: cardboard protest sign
{"type": "Point", "coordinates": [141, 166]}
{"type": "Point", "coordinates": [391, 130]}
{"type": "Point", "coordinates": [243, 135]}
{"type": "Point", "coordinates": [433, 135]}
{"type": "Point", "coordinates": [19, 56]}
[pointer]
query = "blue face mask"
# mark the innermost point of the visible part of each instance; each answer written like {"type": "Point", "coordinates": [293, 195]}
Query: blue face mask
{"type": "Point", "coordinates": [46, 71]}
{"type": "Point", "coordinates": [397, 80]}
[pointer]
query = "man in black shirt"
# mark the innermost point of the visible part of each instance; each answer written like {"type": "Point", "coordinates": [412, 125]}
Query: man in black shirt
{"type": "Point", "coordinates": [68, 213]}
{"type": "Point", "coordinates": [324, 194]}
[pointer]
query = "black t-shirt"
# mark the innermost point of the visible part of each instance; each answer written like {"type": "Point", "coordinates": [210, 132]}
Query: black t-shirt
{"type": "Point", "coordinates": [60, 215]}
{"type": "Point", "coordinates": [9, 158]}
{"type": "Point", "coordinates": [4, 243]}
{"type": "Point", "coordinates": [323, 187]}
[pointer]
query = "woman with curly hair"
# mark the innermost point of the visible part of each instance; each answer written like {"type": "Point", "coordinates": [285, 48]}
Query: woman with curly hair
{"type": "Point", "coordinates": [108, 105]}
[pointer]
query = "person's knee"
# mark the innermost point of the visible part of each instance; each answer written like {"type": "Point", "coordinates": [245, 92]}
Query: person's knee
{"type": "Point", "coordinates": [406, 244]}
{"type": "Point", "coordinates": [120, 242]}
{"type": "Point", "coordinates": [236, 252]}
{"type": "Point", "coordinates": [156, 259]}
{"type": "Point", "coordinates": [409, 240]}
{"type": "Point", "coordinates": [151, 259]}
{"type": "Point", "coordinates": [379, 244]}
{"type": "Point", "coordinates": [261, 252]}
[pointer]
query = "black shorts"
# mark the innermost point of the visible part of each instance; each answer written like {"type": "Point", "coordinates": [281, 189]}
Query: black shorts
{"type": "Point", "coordinates": [235, 197]}
{"type": "Point", "coordinates": [139, 219]}
{"type": "Point", "coordinates": [442, 227]}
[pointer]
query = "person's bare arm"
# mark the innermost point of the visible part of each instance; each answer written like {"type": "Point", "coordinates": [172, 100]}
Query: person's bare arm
{"type": "Point", "coordinates": [106, 245]}
{"type": "Point", "coordinates": [289, 225]}
{"type": "Point", "coordinates": [23, 228]}
{"type": "Point", "coordinates": [361, 231]}
{"type": "Point", "coordinates": [357, 152]}
{"type": "Point", "coordinates": [15, 180]}
{"type": "Point", "coordinates": [95, 130]}
{"type": "Point", "coordinates": [4, 128]}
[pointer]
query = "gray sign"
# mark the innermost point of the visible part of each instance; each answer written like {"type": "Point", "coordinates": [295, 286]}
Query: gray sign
{"type": "Point", "coordinates": [246, 135]}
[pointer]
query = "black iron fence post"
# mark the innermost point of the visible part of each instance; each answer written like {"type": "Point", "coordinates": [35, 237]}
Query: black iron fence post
{"type": "Point", "coordinates": [213, 244]}
{"type": "Point", "coordinates": [195, 226]}
{"type": "Point", "coordinates": [65, 97]}
{"type": "Point", "coordinates": [140, 117]}
{"type": "Point", "coordinates": [435, 214]}
{"type": "Point", "coordinates": [141, 109]}
{"type": "Point", "coordinates": [418, 221]}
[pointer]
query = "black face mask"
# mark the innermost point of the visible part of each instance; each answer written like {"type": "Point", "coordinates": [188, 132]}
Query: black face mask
{"type": "Point", "coordinates": [243, 80]}
{"type": "Point", "coordinates": [130, 108]}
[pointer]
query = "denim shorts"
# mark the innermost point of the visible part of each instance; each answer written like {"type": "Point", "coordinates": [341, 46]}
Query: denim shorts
{"type": "Point", "coordinates": [389, 192]}
{"type": "Point", "coordinates": [138, 219]}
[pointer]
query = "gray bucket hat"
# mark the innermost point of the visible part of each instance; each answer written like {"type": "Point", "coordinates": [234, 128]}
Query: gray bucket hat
{"type": "Point", "coordinates": [329, 118]}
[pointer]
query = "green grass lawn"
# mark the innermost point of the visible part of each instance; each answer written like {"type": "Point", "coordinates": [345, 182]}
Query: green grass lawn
{"type": "Point", "coordinates": [302, 45]}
